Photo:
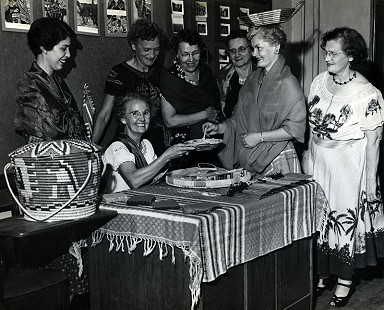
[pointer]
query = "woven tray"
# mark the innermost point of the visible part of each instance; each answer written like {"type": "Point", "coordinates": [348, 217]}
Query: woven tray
{"type": "Point", "coordinates": [278, 16]}
{"type": "Point", "coordinates": [206, 177]}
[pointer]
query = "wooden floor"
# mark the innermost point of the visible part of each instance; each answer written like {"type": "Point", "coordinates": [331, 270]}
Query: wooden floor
{"type": "Point", "coordinates": [369, 293]}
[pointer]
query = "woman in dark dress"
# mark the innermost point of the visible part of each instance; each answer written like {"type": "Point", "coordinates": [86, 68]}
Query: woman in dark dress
{"type": "Point", "coordinates": [191, 95]}
{"type": "Point", "coordinates": [140, 74]}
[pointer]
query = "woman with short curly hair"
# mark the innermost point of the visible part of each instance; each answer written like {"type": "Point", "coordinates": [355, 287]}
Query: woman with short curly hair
{"type": "Point", "coordinates": [346, 120]}
{"type": "Point", "coordinates": [46, 109]}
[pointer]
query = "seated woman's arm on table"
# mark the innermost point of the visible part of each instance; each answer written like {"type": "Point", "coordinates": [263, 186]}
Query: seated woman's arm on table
{"type": "Point", "coordinates": [135, 177]}
{"type": "Point", "coordinates": [102, 118]}
{"type": "Point", "coordinates": [173, 119]}
{"type": "Point", "coordinates": [372, 160]}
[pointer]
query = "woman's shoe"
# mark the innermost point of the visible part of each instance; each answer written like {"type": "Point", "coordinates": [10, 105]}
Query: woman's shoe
{"type": "Point", "coordinates": [328, 285]}
{"type": "Point", "coordinates": [342, 301]}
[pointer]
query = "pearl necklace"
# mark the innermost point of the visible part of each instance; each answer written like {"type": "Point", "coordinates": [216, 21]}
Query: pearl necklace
{"type": "Point", "coordinates": [346, 82]}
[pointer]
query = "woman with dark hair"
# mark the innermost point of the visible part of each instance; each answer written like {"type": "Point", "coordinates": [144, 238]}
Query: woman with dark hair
{"type": "Point", "coordinates": [270, 112]}
{"type": "Point", "coordinates": [190, 92]}
{"type": "Point", "coordinates": [130, 160]}
{"type": "Point", "coordinates": [232, 77]}
{"type": "Point", "coordinates": [346, 120]}
{"type": "Point", "coordinates": [46, 109]}
{"type": "Point", "coordinates": [139, 74]}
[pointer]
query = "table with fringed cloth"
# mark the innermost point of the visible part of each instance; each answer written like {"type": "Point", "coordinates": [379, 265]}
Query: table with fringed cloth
{"type": "Point", "coordinates": [261, 219]}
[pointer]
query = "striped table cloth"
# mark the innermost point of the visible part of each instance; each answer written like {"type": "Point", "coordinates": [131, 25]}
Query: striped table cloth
{"type": "Point", "coordinates": [261, 219]}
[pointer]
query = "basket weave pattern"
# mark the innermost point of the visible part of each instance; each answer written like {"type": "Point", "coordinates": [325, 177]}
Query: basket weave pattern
{"type": "Point", "coordinates": [48, 174]}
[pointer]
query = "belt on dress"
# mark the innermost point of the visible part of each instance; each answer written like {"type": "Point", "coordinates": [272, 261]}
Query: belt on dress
{"type": "Point", "coordinates": [333, 144]}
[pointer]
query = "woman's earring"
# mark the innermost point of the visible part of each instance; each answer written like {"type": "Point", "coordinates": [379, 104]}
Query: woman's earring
{"type": "Point", "coordinates": [276, 51]}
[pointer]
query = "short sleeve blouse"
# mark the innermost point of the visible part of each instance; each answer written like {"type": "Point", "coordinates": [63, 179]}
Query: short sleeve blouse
{"type": "Point", "coordinates": [344, 118]}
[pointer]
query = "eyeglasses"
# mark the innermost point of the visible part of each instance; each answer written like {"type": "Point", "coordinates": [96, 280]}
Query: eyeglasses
{"type": "Point", "coordinates": [185, 56]}
{"type": "Point", "coordinates": [331, 55]}
{"type": "Point", "coordinates": [240, 50]}
{"type": "Point", "coordinates": [137, 114]}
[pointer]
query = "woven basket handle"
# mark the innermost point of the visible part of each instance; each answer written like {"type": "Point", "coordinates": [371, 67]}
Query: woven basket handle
{"type": "Point", "coordinates": [61, 208]}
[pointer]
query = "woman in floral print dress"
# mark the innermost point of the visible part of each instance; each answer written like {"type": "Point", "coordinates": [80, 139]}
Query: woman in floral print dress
{"type": "Point", "coordinates": [346, 118]}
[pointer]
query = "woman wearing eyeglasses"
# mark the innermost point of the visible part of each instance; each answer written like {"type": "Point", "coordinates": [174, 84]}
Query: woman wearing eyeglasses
{"type": "Point", "coordinates": [232, 77]}
{"type": "Point", "coordinates": [130, 161]}
{"type": "Point", "coordinates": [190, 92]}
{"type": "Point", "coordinates": [346, 118]}
{"type": "Point", "coordinates": [270, 112]}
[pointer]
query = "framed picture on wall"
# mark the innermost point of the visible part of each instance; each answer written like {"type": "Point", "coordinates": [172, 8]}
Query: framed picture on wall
{"type": "Point", "coordinates": [223, 56]}
{"type": "Point", "coordinates": [87, 17]}
{"type": "Point", "coordinates": [225, 29]}
{"type": "Point", "coordinates": [177, 6]}
{"type": "Point", "coordinates": [116, 21]}
{"type": "Point", "coordinates": [202, 28]}
{"type": "Point", "coordinates": [16, 15]}
{"type": "Point", "coordinates": [244, 11]}
{"type": "Point", "coordinates": [224, 12]}
{"type": "Point", "coordinates": [177, 22]}
{"type": "Point", "coordinates": [201, 11]}
{"type": "Point", "coordinates": [56, 8]}
{"type": "Point", "coordinates": [141, 9]}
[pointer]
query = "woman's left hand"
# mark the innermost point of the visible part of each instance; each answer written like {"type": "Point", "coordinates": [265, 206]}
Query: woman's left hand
{"type": "Point", "coordinates": [251, 139]}
{"type": "Point", "coordinates": [372, 193]}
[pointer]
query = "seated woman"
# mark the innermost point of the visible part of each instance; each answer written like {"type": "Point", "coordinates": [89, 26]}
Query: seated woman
{"type": "Point", "coordinates": [190, 92]}
{"type": "Point", "coordinates": [130, 160]}
{"type": "Point", "coordinates": [270, 113]}
{"type": "Point", "coordinates": [232, 77]}
{"type": "Point", "coordinates": [46, 109]}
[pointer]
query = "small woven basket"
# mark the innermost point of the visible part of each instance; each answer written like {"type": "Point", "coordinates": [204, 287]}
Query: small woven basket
{"type": "Point", "coordinates": [56, 180]}
{"type": "Point", "coordinates": [270, 17]}
{"type": "Point", "coordinates": [197, 177]}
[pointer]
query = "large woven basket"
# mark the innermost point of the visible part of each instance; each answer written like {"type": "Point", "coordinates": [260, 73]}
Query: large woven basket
{"type": "Point", "coordinates": [57, 180]}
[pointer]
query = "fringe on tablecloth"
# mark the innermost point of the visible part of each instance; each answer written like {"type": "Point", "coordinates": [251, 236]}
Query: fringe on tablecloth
{"type": "Point", "coordinates": [122, 242]}
{"type": "Point", "coordinates": [75, 250]}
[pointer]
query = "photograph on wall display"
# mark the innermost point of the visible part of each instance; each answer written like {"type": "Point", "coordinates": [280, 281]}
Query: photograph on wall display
{"type": "Point", "coordinates": [202, 28]}
{"type": "Point", "coordinates": [244, 11]}
{"type": "Point", "coordinates": [87, 17]}
{"type": "Point", "coordinates": [201, 11]}
{"type": "Point", "coordinates": [222, 65]}
{"type": "Point", "coordinates": [16, 15]}
{"type": "Point", "coordinates": [56, 8]}
{"type": "Point", "coordinates": [225, 29]}
{"type": "Point", "coordinates": [177, 6]}
{"type": "Point", "coordinates": [224, 12]}
{"type": "Point", "coordinates": [141, 9]}
{"type": "Point", "coordinates": [244, 27]}
{"type": "Point", "coordinates": [116, 23]}
{"type": "Point", "coordinates": [223, 56]}
{"type": "Point", "coordinates": [177, 22]}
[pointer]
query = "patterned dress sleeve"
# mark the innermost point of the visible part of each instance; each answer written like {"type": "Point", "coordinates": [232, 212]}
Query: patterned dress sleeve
{"type": "Point", "coordinates": [371, 110]}
{"type": "Point", "coordinates": [32, 111]}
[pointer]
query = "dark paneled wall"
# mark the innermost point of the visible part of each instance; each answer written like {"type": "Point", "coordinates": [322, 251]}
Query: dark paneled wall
{"type": "Point", "coordinates": [97, 55]}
